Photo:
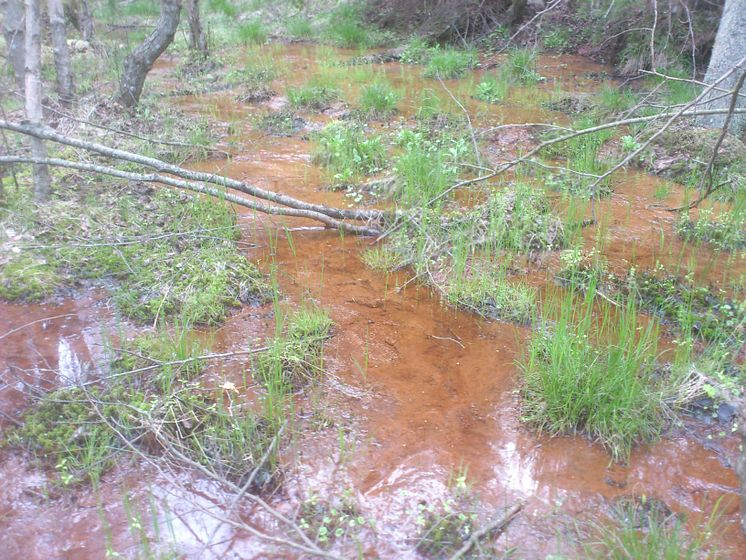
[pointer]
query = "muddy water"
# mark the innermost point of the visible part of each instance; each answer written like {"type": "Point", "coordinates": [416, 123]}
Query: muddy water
{"type": "Point", "coordinates": [418, 389]}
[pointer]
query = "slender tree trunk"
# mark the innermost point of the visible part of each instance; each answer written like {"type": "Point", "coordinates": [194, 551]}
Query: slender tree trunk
{"type": "Point", "coordinates": [140, 61]}
{"type": "Point", "coordinates": [85, 20]}
{"type": "Point", "coordinates": [33, 97]}
{"type": "Point", "coordinates": [14, 30]}
{"type": "Point", "coordinates": [61, 52]}
{"type": "Point", "coordinates": [730, 46]}
{"type": "Point", "coordinates": [197, 39]}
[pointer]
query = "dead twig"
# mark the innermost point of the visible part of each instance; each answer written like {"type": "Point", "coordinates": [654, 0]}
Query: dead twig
{"type": "Point", "coordinates": [497, 526]}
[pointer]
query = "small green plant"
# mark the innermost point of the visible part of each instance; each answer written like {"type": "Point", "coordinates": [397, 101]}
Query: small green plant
{"type": "Point", "coordinates": [449, 63]}
{"type": "Point", "coordinates": [223, 6]}
{"type": "Point", "coordinates": [726, 231]}
{"type": "Point", "coordinates": [280, 123]}
{"type": "Point", "coordinates": [614, 99]}
{"type": "Point", "coordinates": [347, 29]}
{"type": "Point", "coordinates": [426, 167]}
{"type": "Point", "coordinates": [630, 143]}
{"type": "Point", "coordinates": [378, 99]}
{"type": "Point", "coordinates": [295, 359]}
{"type": "Point", "coordinates": [490, 294]}
{"type": "Point", "coordinates": [493, 89]}
{"type": "Point", "coordinates": [344, 149]}
{"type": "Point", "coordinates": [416, 51]}
{"type": "Point", "coordinates": [594, 375]}
{"type": "Point", "coordinates": [327, 523]}
{"type": "Point", "coordinates": [444, 528]}
{"type": "Point", "coordinates": [380, 258]}
{"type": "Point", "coordinates": [252, 33]}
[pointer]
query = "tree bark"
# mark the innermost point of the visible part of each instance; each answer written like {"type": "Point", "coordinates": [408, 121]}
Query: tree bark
{"type": "Point", "coordinates": [197, 39]}
{"type": "Point", "coordinates": [34, 115]}
{"type": "Point", "coordinates": [730, 46]}
{"type": "Point", "coordinates": [85, 20]}
{"type": "Point", "coordinates": [140, 61]}
{"type": "Point", "coordinates": [14, 30]}
{"type": "Point", "coordinates": [61, 52]}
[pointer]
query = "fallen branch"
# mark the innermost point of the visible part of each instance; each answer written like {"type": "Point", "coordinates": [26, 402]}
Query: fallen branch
{"type": "Point", "coordinates": [498, 525]}
{"type": "Point", "coordinates": [196, 187]}
{"type": "Point", "coordinates": [45, 133]}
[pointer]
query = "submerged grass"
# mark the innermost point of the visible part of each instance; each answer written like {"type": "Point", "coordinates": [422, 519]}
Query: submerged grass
{"type": "Point", "coordinates": [641, 530]}
{"type": "Point", "coordinates": [295, 358]}
{"type": "Point", "coordinates": [594, 375]}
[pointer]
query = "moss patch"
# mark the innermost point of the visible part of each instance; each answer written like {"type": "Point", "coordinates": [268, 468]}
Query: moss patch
{"type": "Point", "coordinates": [167, 253]}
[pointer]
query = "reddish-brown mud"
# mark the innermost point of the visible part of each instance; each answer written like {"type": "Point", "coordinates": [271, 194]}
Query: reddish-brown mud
{"type": "Point", "coordinates": [421, 389]}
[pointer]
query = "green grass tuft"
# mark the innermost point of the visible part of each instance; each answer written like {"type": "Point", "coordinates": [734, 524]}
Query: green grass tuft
{"type": "Point", "coordinates": [594, 375]}
{"type": "Point", "coordinates": [313, 95]}
{"type": "Point", "coordinates": [379, 99]}
{"type": "Point", "coordinates": [252, 33]}
{"type": "Point", "coordinates": [450, 63]}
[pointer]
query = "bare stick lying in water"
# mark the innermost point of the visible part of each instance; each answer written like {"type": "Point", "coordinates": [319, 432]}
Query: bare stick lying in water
{"type": "Point", "coordinates": [197, 187]}
{"type": "Point", "coordinates": [497, 525]}
{"type": "Point", "coordinates": [45, 133]}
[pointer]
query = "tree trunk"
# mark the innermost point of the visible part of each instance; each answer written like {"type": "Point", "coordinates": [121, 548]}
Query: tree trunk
{"type": "Point", "coordinates": [741, 460]}
{"type": "Point", "coordinates": [140, 61]}
{"type": "Point", "coordinates": [197, 39]}
{"type": "Point", "coordinates": [33, 97]}
{"type": "Point", "coordinates": [14, 30]}
{"type": "Point", "coordinates": [85, 20]}
{"type": "Point", "coordinates": [730, 46]}
{"type": "Point", "coordinates": [61, 52]}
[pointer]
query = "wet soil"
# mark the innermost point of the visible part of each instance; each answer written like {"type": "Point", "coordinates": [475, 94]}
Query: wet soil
{"type": "Point", "coordinates": [416, 389]}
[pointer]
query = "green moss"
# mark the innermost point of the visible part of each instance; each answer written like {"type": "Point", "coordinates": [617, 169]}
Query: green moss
{"type": "Point", "coordinates": [168, 253]}
{"type": "Point", "coordinates": [490, 294]}
{"type": "Point", "coordinates": [28, 277]}
{"type": "Point", "coordinates": [65, 431]}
